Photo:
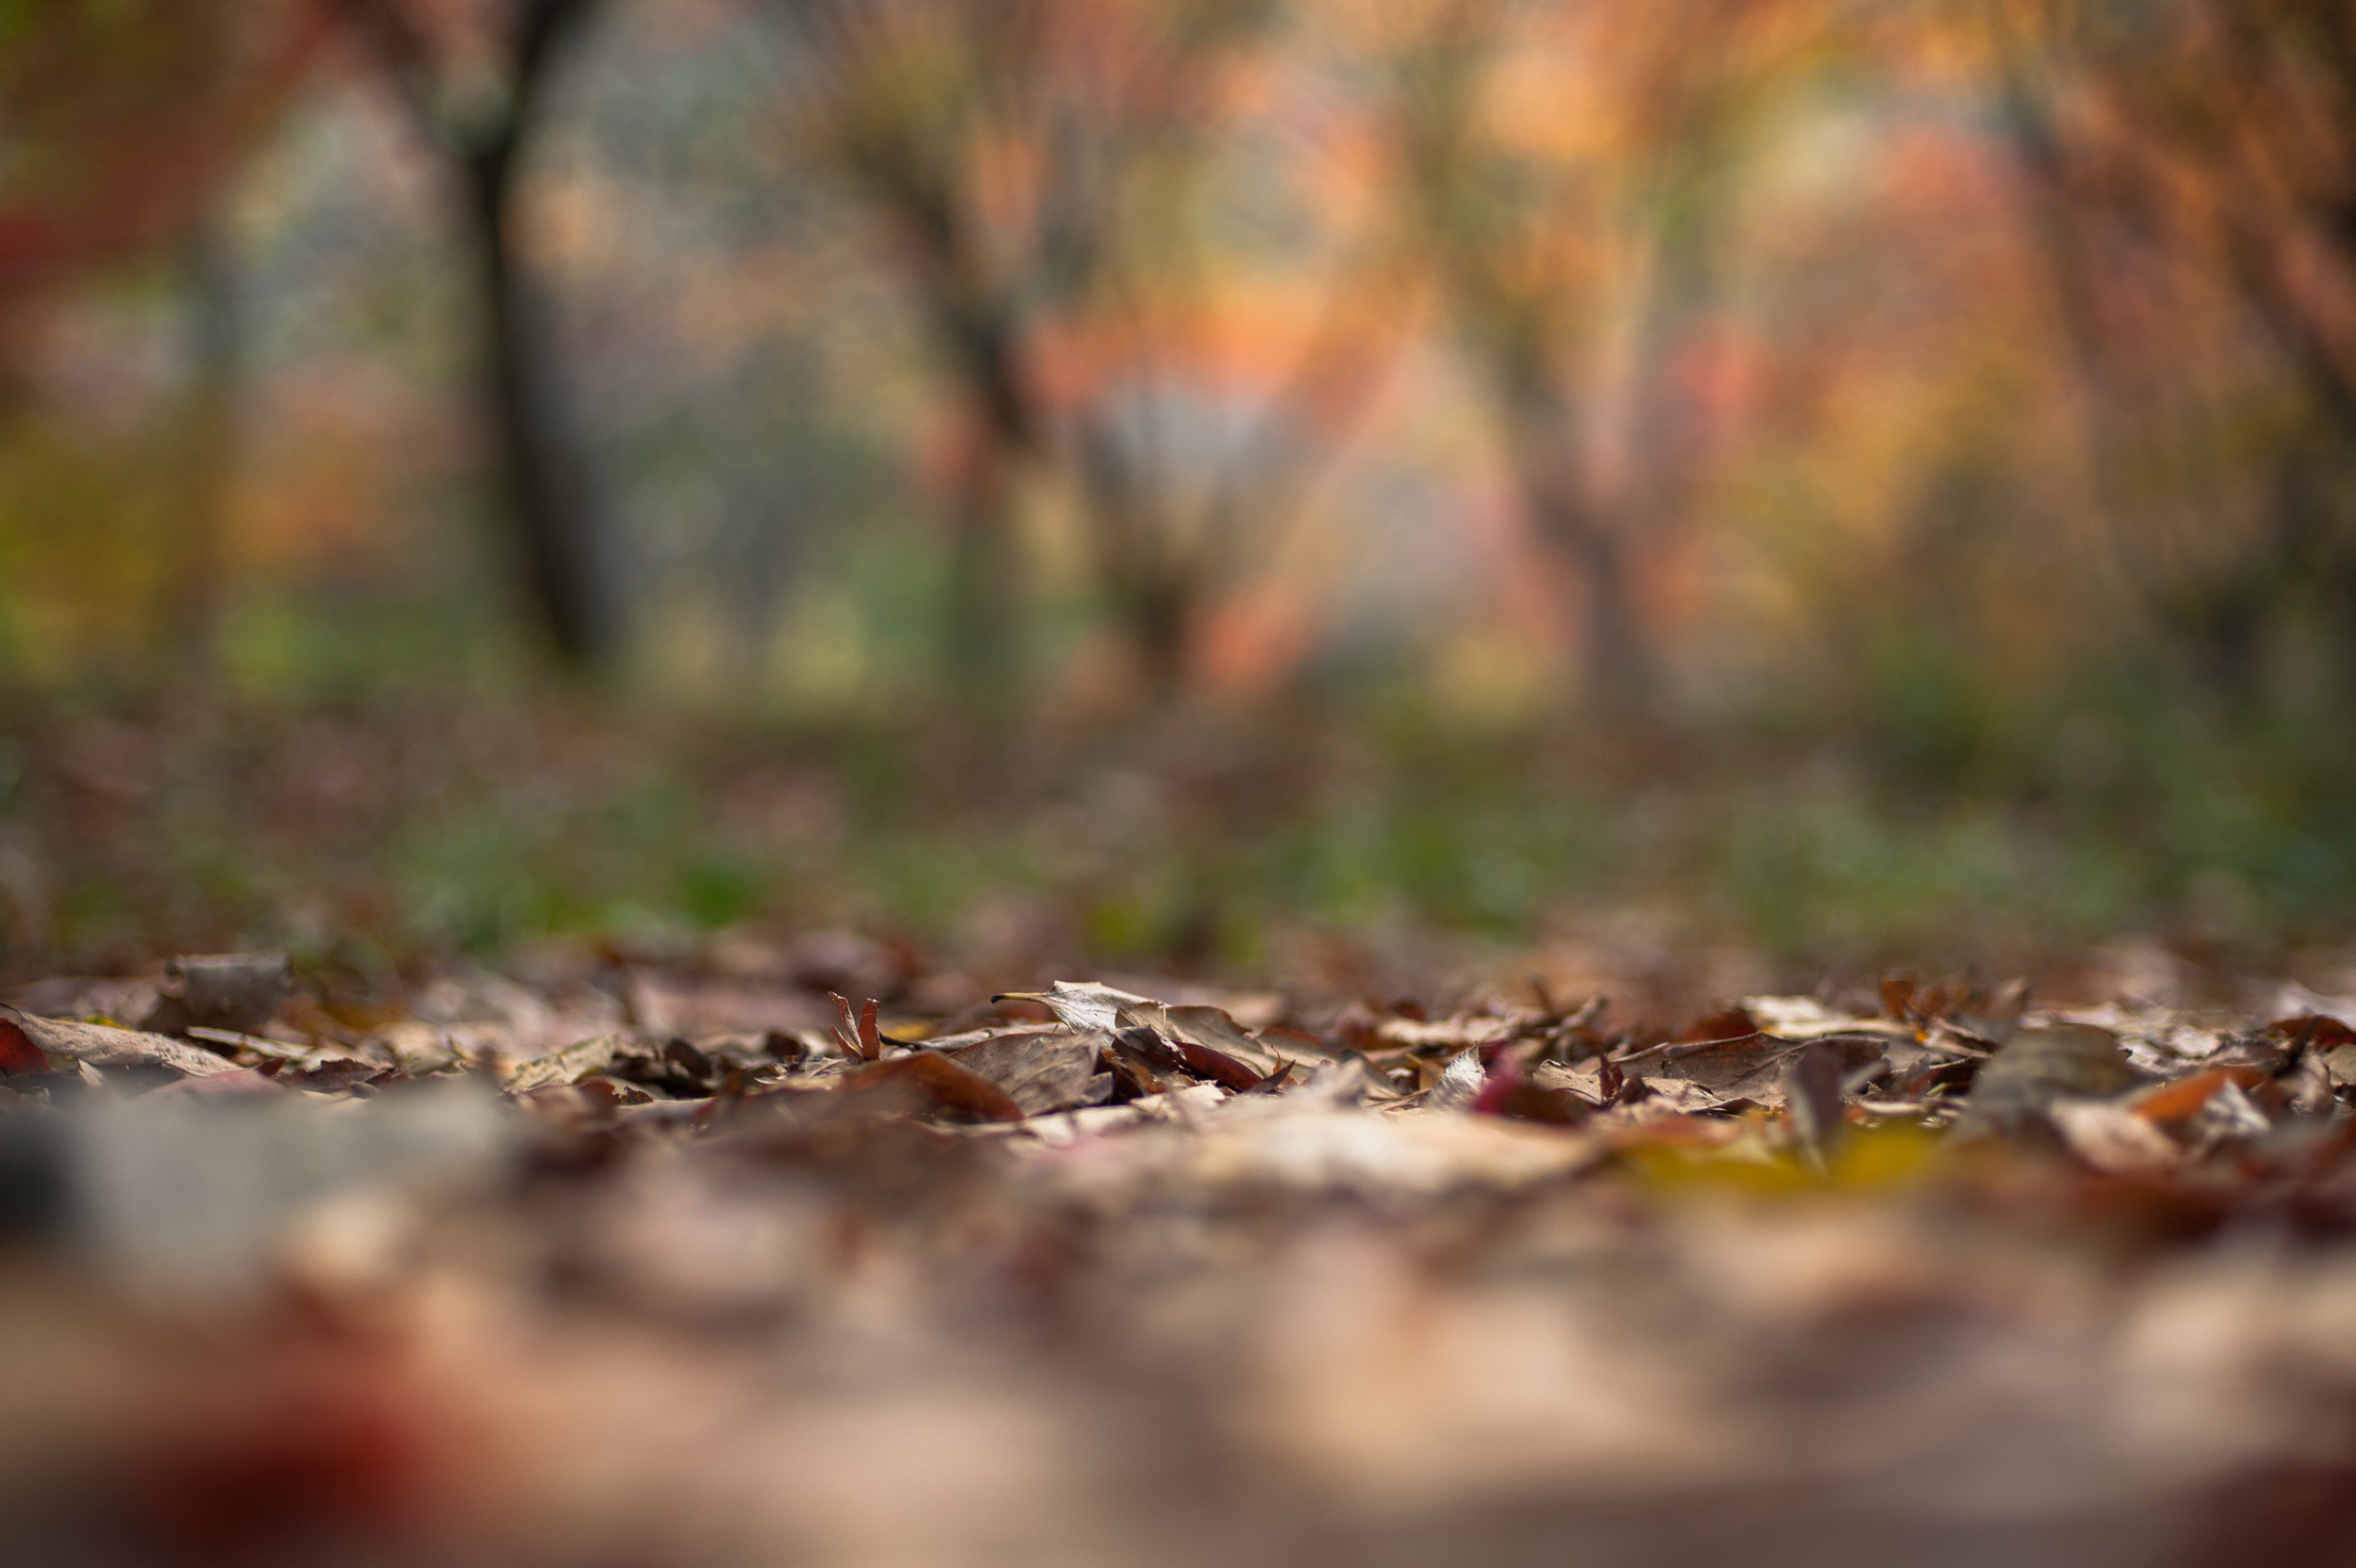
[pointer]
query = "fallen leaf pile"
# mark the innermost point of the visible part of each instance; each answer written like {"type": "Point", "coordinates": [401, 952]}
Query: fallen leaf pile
{"type": "Point", "coordinates": [677, 1267]}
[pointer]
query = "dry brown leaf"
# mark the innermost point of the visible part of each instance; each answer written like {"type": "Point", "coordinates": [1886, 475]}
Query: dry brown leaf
{"type": "Point", "coordinates": [2040, 1067]}
{"type": "Point", "coordinates": [1042, 1069]}
{"type": "Point", "coordinates": [1093, 1005]}
{"type": "Point", "coordinates": [102, 1046]}
{"type": "Point", "coordinates": [2113, 1139]}
{"type": "Point", "coordinates": [936, 1083]}
{"type": "Point", "coordinates": [576, 1061]}
{"type": "Point", "coordinates": [232, 991]}
{"type": "Point", "coordinates": [1212, 1028]}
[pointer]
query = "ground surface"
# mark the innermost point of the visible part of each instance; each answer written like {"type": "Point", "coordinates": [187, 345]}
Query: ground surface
{"type": "Point", "coordinates": [685, 1263]}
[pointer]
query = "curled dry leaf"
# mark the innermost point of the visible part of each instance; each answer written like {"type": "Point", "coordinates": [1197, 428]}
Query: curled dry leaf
{"type": "Point", "coordinates": [935, 1082]}
{"type": "Point", "coordinates": [1460, 1085]}
{"type": "Point", "coordinates": [1216, 1066]}
{"type": "Point", "coordinates": [100, 1045]}
{"type": "Point", "coordinates": [859, 1038]}
{"type": "Point", "coordinates": [1093, 1005]}
{"type": "Point", "coordinates": [1041, 1070]}
{"type": "Point", "coordinates": [1213, 1030]}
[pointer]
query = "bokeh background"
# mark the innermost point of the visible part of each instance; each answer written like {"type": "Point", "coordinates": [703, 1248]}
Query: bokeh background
{"type": "Point", "coordinates": [1744, 489]}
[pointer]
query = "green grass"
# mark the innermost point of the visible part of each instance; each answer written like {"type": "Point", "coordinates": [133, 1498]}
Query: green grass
{"type": "Point", "coordinates": [471, 823]}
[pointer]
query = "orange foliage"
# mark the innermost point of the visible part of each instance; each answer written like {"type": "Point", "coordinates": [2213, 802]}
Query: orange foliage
{"type": "Point", "coordinates": [125, 118]}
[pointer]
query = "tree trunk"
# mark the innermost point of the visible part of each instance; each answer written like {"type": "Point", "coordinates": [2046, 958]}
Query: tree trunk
{"type": "Point", "coordinates": [1141, 572]}
{"type": "Point", "coordinates": [543, 489]}
{"type": "Point", "coordinates": [978, 650]}
{"type": "Point", "coordinates": [1619, 672]}
{"type": "Point", "coordinates": [1621, 676]}
{"type": "Point", "coordinates": [210, 437]}
{"type": "Point", "coordinates": [1157, 616]}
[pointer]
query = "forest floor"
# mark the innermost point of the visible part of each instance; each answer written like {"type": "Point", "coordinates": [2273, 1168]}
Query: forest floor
{"type": "Point", "coordinates": [802, 1248]}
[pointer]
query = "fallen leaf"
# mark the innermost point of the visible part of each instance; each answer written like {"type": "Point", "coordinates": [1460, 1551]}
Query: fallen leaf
{"type": "Point", "coordinates": [859, 1038]}
{"type": "Point", "coordinates": [935, 1083]}
{"type": "Point", "coordinates": [1212, 1029]}
{"type": "Point", "coordinates": [574, 1062]}
{"type": "Point", "coordinates": [1748, 1066]}
{"type": "Point", "coordinates": [2180, 1099]}
{"type": "Point", "coordinates": [1460, 1085]}
{"type": "Point", "coordinates": [1507, 1093]}
{"type": "Point", "coordinates": [103, 1046]}
{"type": "Point", "coordinates": [2229, 1116]}
{"type": "Point", "coordinates": [1093, 1005]}
{"type": "Point", "coordinates": [232, 991]}
{"type": "Point", "coordinates": [18, 1054]}
{"type": "Point", "coordinates": [2313, 1032]}
{"type": "Point", "coordinates": [2113, 1139]}
{"type": "Point", "coordinates": [1595, 1080]}
{"type": "Point", "coordinates": [2015, 1086]}
{"type": "Point", "coordinates": [1042, 1069]}
{"type": "Point", "coordinates": [1685, 1097]}
{"type": "Point", "coordinates": [1219, 1067]}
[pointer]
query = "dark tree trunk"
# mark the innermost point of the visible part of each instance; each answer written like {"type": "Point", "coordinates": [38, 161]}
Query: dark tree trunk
{"type": "Point", "coordinates": [1622, 677]}
{"type": "Point", "coordinates": [1156, 613]}
{"type": "Point", "coordinates": [1619, 672]}
{"type": "Point", "coordinates": [1140, 569]}
{"type": "Point", "coordinates": [1161, 619]}
{"type": "Point", "coordinates": [544, 491]}
{"type": "Point", "coordinates": [981, 648]}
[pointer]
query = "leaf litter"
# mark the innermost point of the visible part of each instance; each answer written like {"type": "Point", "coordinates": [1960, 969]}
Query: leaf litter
{"type": "Point", "coordinates": [1081, 1274]}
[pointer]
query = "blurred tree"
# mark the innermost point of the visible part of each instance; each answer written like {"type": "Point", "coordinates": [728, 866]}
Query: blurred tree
{"type": "Point", "coordinates": [120, 126]}
{"type": "Point", "coordinates": [475, 75]}
{"type": "Point", "coordinates": [1043, 165]}
{"type": "Point", "coordinates": [2190, 168]}
{"type": "Point", "coordinates": [1571, 167]}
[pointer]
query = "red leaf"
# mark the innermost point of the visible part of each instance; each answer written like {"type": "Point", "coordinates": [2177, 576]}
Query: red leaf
{"type": "Point", "coordinates": [2316, 1031]}
{"type": "Point", "coordinates": [858, 1036]}
{"type": "Point", "coordinates": [18, 1054]}
{"type": "Point", "coordinates": [1216, 1065]}
{"type": "Point", "coordinates": [2183, 1098]}
{"type": "Point", "coordinates": [1507, 1093]}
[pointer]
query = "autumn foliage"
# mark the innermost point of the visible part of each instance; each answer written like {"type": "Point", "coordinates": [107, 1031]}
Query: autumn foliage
{"type": "Point", "coordinates": [125, 121]}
